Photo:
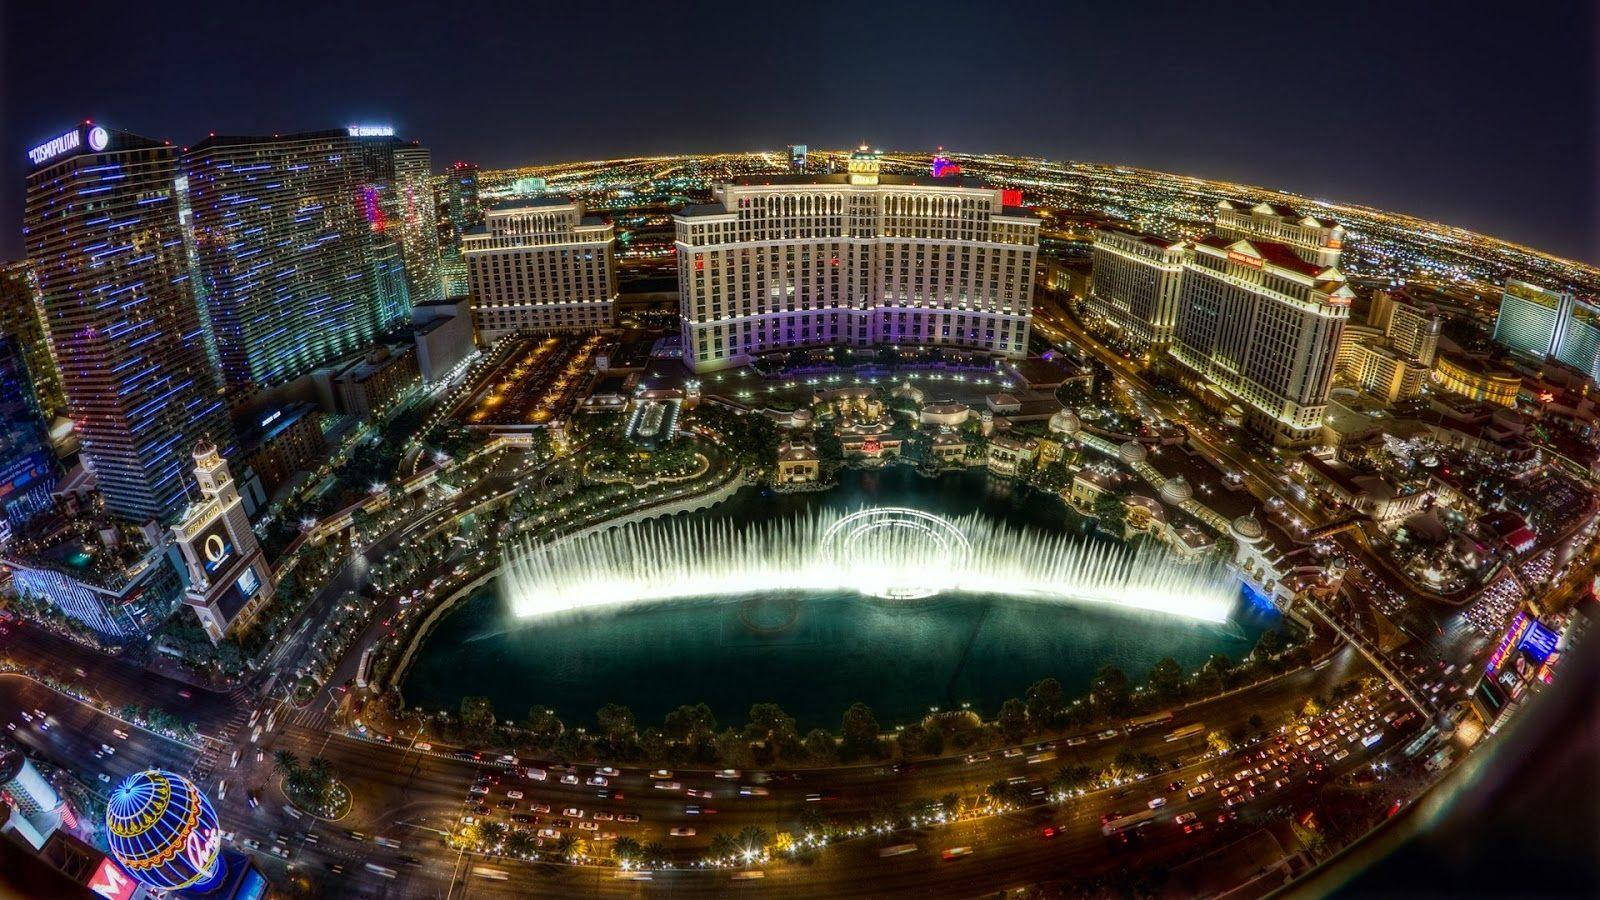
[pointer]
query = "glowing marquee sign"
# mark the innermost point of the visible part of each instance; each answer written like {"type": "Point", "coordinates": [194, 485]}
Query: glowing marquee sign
{"type": "Point", "coordinates": [1247, 259]}
{"type": "Point", "coordinates": [371, 130]}
{"type": "Point", "coordinates": [110, 881]}
{"type": "Point", "coordinates": [56, 146]}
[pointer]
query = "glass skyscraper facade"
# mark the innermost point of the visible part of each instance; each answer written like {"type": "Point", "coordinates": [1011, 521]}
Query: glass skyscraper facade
{"type": "Point", "coordinates": [22, 319]}
{"type": "Point", "coordinates": [1529, 320]}
{"type": "Point", "coordinates": [28, 468]}
{"type": "Point", "coordinates": [103, 231]}
{"type": "Point", "coordinates": [292, 270]}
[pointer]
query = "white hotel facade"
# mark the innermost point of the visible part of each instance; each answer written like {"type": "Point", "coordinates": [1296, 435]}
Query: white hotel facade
{"type": "Point", "coordinates": [540, 265]}
{"type": "Point", "coordinates": [861, 259]}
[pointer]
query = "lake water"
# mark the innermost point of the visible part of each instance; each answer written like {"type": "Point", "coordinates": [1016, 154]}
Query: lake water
{"type": "Point", "coordinates": [814, 654]}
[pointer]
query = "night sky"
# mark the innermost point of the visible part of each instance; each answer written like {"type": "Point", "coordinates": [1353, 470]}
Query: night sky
{"type": "Point", "coordinates": [1473, 113]}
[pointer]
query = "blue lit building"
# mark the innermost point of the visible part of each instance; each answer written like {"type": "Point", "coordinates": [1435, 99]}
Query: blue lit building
{"type": "Point", "coordinates": [28, 467]}
{"type": "Point", "coordinates": [103, 230]}
{"type": "Point", "coordinates": [295, 274]}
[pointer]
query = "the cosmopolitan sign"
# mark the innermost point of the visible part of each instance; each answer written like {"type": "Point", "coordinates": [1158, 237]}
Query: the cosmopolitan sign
{"type": "Point", "coordinates": [371, 130]}
{"type": "Point", "coordinates": [66, 143]}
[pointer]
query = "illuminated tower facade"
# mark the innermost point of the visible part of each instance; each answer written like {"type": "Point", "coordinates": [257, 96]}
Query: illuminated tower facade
{"type": "Point", "coordinates": [780, 263]}
{"type": "Point", "coordinates": [103, 231]}
{"type": "Point", "coordinates": [285, 251]}
{"type": "Point", "coordinates": [541, 265]}
{"type": "Point", "coordinates": [1136, 281]}
{"type": "Point", "coordinates": [229, 581]}
{"type": "Point", "coordinates": [22, 318]}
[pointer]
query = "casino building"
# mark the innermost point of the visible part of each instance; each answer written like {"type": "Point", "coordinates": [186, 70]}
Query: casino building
{"type": "Point", "coordinates": [1260, 319]}
{"type": "Point", "coordinates": [540, 265]}
{"type": "Point", "coordinates": [1136, 281]}
{"type": "Point", "coordinates": [104, 230]}
{"type": "Point", "coordinates": [780, 263]}
{"type": "Point", "coordinates": [229, 581]}
{"type": "Point", "coordinates": [1539, 323]}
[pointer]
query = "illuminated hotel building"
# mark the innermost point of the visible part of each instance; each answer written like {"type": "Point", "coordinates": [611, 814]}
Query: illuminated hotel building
{"type": "Point", "coordinates": [540, 265]}
{"type": "Point", "coordinates": [1262, 325]}
{"type": "Point", "coordinates": [28, 467]}
{"type": "Point", "coordinates": [418, 223]}
{"type": "Point", "coordinates": [1537, 323]}
{"type": "Point", "coordinates": [103, 232]}
{"type": "Point", "coordinates": [229, 581]}
{"type": "Point", "coordinates": [22, 319]}
{"type": "Point", "coordinates": [1530, 318]}
{"type": "Point", "coordinates": [1477, 379]}
{"type": "Point", "coordinates": [1314, 239]}
{"type": "Point", "coordinates": [858, 259]}
{"type": "Point", "coordinates": [289, 259]}
{"type": "Point", "coordinates": [1136, 282]}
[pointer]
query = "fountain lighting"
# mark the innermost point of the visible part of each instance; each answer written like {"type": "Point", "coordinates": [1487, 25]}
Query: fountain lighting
{"type": "Point", "coordinates": [888, 552]}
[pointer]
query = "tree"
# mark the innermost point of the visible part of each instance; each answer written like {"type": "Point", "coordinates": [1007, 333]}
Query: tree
{"type": "Point", "coordinates": [615, 722]}
{"type": "Point", "coordinates": [820, 746]}
{"type": "Point", "coordinates": [477, 717]}
{"type": "Point", "coordinates": [567, 847]}
{"type": "Point", "coordinates": [1166, 680]}
{"type": "Point", "coordinates": [723, 846]}
{"type": "Point", "coordinates": [543, 725]}
{"type": "Point", "coordinates": [753, 841]}
{"type": "Point", "coordinates": [782, 843]}
{"type": "Point", "coordinates": [521, 843]}
{"type": "Point", "coordinates": [1071, 778]}
{"type": "Point", "coordinates": [655, 853]}
{"type": "Point", "coordinates": [1210, 679]}
{"type": "Point", "coordinates": [285, 763]}
{"type": "Point", "coordinates": [1110, 513]}
{"type": "Point", "coordinates": [492, 833]}
{"type": "Point", "coordinates": [772, 726]}
{"type": "Point", "coordinates": [1218, 743]}
{"type": "Point", "coordinates": [859, 733]}
{"type": "Point", "coordinates": [1109, 691]}
{"type": "Point", "coordinates": [1013, 720]}
{"type": "Point", "coordinates": [628, 849]}
{"type": "Point", "coordinates": [1045, 701]}
{"type": "Point", "coordinates": [950, 803]}
{"type": "Point", "coordinates": [686, 723]}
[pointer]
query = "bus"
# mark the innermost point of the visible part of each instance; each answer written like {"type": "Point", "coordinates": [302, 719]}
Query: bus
{"type": "Point", "coordinates": [1131, 820]}
{"type": "Point", "coordinates": [1150, 721]}
{"type": "Point", "coordinates": [1186, 731]}
{"type": "Point", "coordinates": [490, 873]}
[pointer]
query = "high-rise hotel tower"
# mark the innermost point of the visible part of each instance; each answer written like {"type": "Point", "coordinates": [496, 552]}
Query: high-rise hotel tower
{"type": "Point", "coordinates": [785, 262]}
{"type": "Point", "coordinates": [102, 225]}
{"type": "Point", "coordinates": [540, 265]}
{"type": "Point", "coordinates": [1261, 310]}
{"type": "Point", "coordinates": [299, 239]}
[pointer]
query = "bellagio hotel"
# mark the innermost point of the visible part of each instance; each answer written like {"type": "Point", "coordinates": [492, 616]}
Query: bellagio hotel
{"type": "Point", "coordinates": [779, 263]}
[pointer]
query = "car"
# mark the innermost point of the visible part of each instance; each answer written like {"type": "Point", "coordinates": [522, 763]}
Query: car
{"type": "Point", "coordinates": [1192, 827]}
{"type": "Point", "coordinates": [662, 774]}
{"type": "Point", "coordinates": [977, 757]}
{"type": "Point", "coordinates": [681, 831]}
{"type": "Point", "coordinates": [751, 791]}
{"type": "Point", "coordinates": [1219, 784]}
{"type": "Point", "coordinates": [725, 774]}
{"type": "Point", "coordinates": [1196, 791]}
{"type": "Point", "coordinates": [27, 716]}
{"type": "Point", "coordinates": [1012, 752]}
{"type": "Point", "coordinates": [1339, 757]}
{"type": "Point", "coordinates": [508, 759]}
{"type": "Point", "coordinates": [120, 733]}
{"type": "Point", "coordinates": [1174, 785]}
{"type": "Point", "coordinates": [611, 771]}
{"type": "Point", "coordinates": [505, 804]}
{"type": "Point", "coordinates": [627, 817]}
{"type": "Point", "coordinates": [668, 786]}
{"type": "Point", "coordinates": [569, 778]}
{"type": "Point", "coordinates": [424, 745]}
{"type": "Point", "coordinates": [514, 795]}
{"type": "Point", "coordinates": [562, 823]}
{"type": "Point", "coordinates": [955, 852]}
{"type": "Point", "coordinates": [1186, 818]}
{"type": "Point", "coordinates": [598, 781]}
{"type": "Point", "coordinates": [589, 826]}
{"type": "Point", "coordinates": [104, 778]}
{"type": "Point", "coordinates": [185, 695]}
{"type": "Point", "coordinates": [704, 795]}
{"type": "Point", "coordinates": [478, 790]}
{"type": "Point", "coordinates": [1157, 802]}
{"type": "Point", "coordinates": [540, 808]}
{"type": "Point", "coordinates": [549, 833]}
{"type": "Point", "coordinates": [603, 816]}
{"type": "Point", "coordinates": [254, 797]}
{"type": "Point", "coordinates": [572, 812]}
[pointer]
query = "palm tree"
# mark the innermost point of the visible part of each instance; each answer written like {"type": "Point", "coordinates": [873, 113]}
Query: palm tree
{"type": "Point", "coordinates": [753, 840]}
{"type": "Point", "coordinates": [319, 775]}
{"type": "Point", "coordinates": [655, 853]}
{"type": "Point", "coordinates": [723, 846]}
{"type": "Point", "coordinates": [493, 833]}
{"type": "Point", "coordinates": [521, 843]}
{"type": "Point", "coordinates": [628, 849]}
{"type": "Point", "coordinates": [285, 763]}
{"type": "Point", "coordinates": [565, 845]}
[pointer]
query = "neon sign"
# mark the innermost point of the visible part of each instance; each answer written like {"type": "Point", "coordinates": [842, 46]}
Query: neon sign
{"type": "Point", "coordinates": [371, 130]}
{"type": "Point", "coordinates": [110, 881]}
{"type": "Point", "coordinates": [1519, 627]}
{"type": "Point", "coordinates": [98, 138]}
{"type": "Point", "coordinates": [54, 147]}
{"type": "Point", "coordinates": [1236, 256]}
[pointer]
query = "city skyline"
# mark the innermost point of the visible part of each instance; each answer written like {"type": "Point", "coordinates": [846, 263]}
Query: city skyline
{"type": "Point", "coordinates": [1433, 131]}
